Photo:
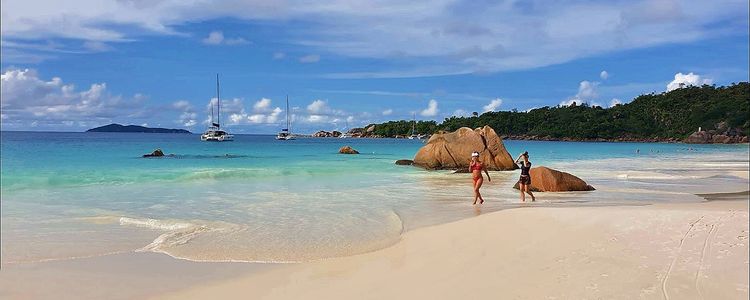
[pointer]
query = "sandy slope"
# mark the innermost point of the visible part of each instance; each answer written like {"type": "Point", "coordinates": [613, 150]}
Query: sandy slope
{"type": "Point", "coordinates": [667, 251]}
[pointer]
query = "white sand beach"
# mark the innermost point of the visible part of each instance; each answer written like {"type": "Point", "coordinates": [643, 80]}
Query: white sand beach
{"type": "Point", "coordinates": [662, 251]}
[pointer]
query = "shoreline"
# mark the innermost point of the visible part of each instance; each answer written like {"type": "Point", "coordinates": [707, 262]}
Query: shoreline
{"type": "Point", "coordinates": [468, 245]}
{"type": "Point", "coordinates": [588, 259]}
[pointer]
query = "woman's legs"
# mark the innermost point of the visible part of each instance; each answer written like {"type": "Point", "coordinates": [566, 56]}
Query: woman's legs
{"type": "Point", "coordinates": [478, 184]}
{"type": "Point", "coordinates": [529, 192]}
{"type": "Point", "coordinates": [521, 187]}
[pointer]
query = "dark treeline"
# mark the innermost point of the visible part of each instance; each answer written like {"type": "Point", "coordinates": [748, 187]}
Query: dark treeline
{"type": "Point", "coordinates": [669, 115]}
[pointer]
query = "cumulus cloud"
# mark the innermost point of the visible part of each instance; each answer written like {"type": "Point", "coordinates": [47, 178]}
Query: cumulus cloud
{"type": "Point", "coordinates": [587, 90]}
{"type": "Point", "coordinates": [493, 105]}
{"type": "Point", "coordinates": [431, 110]}
{"type": "Point", "coordinates": [307, 59]}
{"type": "Point", "coordinates": [614, 102]}
{"type": "Point", "coordinates": [263, 105]}
{"type": "Point", "coordinates": [604, 75]}
{"type": "Point", "coordinates": [25, 98]}
{"type": "Point", "coordinates": [318, 107]}
{"type": "Point", "coordinates": [387, 112]}
{"type": "Point", "coordinates": [685, 80]}
{"type": "Point", "coordinates": [216, 37]}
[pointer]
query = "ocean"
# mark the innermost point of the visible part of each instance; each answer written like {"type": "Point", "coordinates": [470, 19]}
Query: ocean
{"type": "Point", "coordinates": [73, 195]}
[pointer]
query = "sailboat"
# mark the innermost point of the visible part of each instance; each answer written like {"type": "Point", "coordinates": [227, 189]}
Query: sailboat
{"type": "Point", "coordinates": [345, 134]}
{"type": "Point", "coordinates": [285, 134]}
{"type": "Point", "coordinates": [214, 133]}
{"type": "Point", "coordinates": [413, 135]}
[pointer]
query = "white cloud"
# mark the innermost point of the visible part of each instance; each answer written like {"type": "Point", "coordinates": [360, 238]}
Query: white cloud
{"type": "Point", "coordinates": [604, 75]}
{"type": "Point", "coordinates": [461, 38]}
{"type": "Point", "coordinates": [216, 37]}
{"type": "Point", "coordinates": [318, 107]}
{"type": "Point", "coordinates": [279, 55]}
{"type": "Point", "coordinates": [263, 105]}
{"type": "Point", "coordinates": [493, 105]}
{"type": "Point", "coordinates": [188, 119]}
{"type": "Point", "coordinates": [685, 80]}
{"type": "Point", "coordinates": [182, 105]}
{"type": "Point", "coordinates": [312, 58]}
{"type": "Point", "coordinates": [271, 118]}
{"type": "Point", "coordinates": [587, 90]}
{"type": "Point", "coordinates": [25, 98]}
{"type": "Point", "coordinates": [431, 110]}
{"type": "Point", "coordinates": [387, 112]}
{"type": "Point", "coordinates": [614, 102]}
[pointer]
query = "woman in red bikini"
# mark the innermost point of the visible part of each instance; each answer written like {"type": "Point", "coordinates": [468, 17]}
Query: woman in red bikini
{"type": "Point", "coordinates": [476, 167]}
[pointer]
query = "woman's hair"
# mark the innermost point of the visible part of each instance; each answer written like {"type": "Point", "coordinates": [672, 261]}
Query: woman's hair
{"type": "Point", "coordinates": [526, 154]}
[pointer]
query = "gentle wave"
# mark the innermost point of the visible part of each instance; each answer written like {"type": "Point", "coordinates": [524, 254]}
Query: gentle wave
{"type": "Point", "coordinates": [215, 246]}
{"type": "Point", "coordinates": [154, 224]}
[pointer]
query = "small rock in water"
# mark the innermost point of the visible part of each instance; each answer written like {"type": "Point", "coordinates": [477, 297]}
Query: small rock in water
{"type": "Point", "coordinates": [156, 153]}
{"type": "Point", "coordinates": [404, 162]}
{"type": "Point", "coordinates": [348, 150]}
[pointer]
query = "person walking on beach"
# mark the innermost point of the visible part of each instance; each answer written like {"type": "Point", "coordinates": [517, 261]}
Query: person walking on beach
{"type": "Point", "coordinates": [524, 183]}
{"type": "Point", "coordinates": [476, 167]}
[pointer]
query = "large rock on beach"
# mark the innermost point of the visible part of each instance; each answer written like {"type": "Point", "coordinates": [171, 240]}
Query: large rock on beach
{"type": "Point", "coordinates": [544, 179]}
{"type": "Point", "coordinates": [453, 150]}
{"type": "Point", "coordinates": [348, 150]}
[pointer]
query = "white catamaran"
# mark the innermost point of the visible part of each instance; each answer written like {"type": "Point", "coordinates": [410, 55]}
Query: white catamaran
{"type": "Point", "coordinates": [414, 135]}
{"type": "Point", "coordinates": [214, 133]}
{"type": "Point", "coordinates": [285, 134]}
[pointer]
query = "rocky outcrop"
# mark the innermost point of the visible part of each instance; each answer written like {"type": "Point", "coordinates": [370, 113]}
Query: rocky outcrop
{"type": "Point", "coordinates": [453, 150]}
{"type": "Point", "coordinates": [699, 137]}
{"type": "Point", "coordinates": [544, 179]}
{"type": "Point", "coordinates": [404, 162]}
{"type": "Point", "coordinates": [348, 150]}
{"type": "Point", "coordinates": [713, 137]}
{"type": "Point", "coordinates": [156, 153]}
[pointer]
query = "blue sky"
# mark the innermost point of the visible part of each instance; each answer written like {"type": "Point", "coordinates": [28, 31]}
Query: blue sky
{"type": "Point", "coordinates": [74, 65]}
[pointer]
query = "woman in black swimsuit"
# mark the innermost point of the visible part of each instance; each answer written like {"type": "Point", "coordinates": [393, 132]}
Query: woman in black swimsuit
{"type": "Point", "coordinates": [524, 183]}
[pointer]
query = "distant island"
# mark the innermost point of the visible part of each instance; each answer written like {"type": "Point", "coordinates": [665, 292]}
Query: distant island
{"type": "Point", "coordinates": [694, 114]}
{"type": "Point", "coordinates": [134, 128]}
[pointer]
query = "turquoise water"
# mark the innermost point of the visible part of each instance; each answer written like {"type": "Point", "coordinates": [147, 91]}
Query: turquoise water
{"type": "Point", "coordinates": [67, 195]}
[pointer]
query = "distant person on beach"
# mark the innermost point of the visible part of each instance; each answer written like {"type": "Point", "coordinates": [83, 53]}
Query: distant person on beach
{"type": "Point", "coordinates": [476, 167]}
{"type": "Point", "coordinates": [524, 183]}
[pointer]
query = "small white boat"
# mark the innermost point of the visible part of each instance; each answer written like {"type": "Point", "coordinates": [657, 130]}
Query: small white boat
{"type": "Point", "coordinates": [345, 134]}
{"type": "Point", "coordinates": [214, 132]}
{"type": "Point", "coordinates": [285, 134]}
{"type": "Point", "coordinates": [414, 135]}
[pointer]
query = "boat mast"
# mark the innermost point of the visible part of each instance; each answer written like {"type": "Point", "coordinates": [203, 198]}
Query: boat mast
{"type": "Point", "coordinates": [414, 125]}
{"type": "Point", "coordinates": [218, 103]}
{"type": "Point", "coordinates": [289, 130]}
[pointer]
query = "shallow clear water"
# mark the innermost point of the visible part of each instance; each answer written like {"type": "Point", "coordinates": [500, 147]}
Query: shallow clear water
{"type": "Point", "coordinates": [68, 195]}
